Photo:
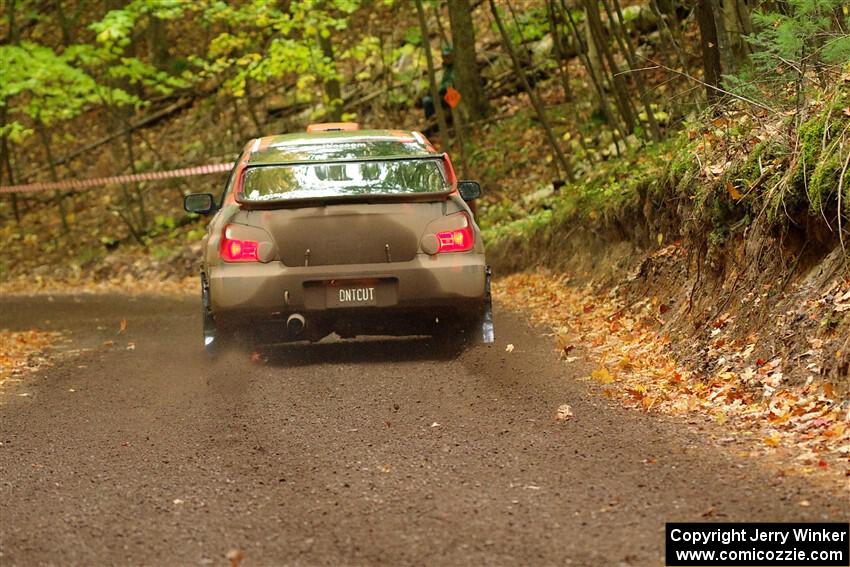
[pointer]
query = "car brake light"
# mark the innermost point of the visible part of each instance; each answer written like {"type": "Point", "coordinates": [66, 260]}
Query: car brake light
{"type": "Point", "coordinates": [457, 240]}
{"type": "Point", "coordinates": [235, 250]}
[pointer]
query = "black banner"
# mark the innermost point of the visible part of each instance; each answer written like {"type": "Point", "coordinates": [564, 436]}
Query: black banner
{"type": "Point", "coordinates": [758, 545]}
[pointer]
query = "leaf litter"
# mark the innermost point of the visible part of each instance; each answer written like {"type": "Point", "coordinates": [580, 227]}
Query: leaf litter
{"type": "Point", "coordinates": [637, 366]}
{"type": "Point", "coordinates": [24, 351]}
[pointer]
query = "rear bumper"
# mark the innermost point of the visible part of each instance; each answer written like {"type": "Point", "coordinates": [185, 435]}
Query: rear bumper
{"type": "Point", "coordinates": [260, 291]}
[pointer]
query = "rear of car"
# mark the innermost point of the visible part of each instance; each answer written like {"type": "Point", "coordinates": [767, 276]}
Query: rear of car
{"type": "Point", "coordinates": [353, 232]}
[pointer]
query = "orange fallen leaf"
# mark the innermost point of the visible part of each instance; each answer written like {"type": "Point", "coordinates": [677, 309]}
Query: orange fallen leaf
{"type": "Point", "coordinates": [122, 326]}
{"type": "Point", "coordinates": [828, 390]}
{"type": "Point", "coordinates": [638, 392]}
{"type": "Point", "coordinates": [773, 439]}
{"type": "Point", "coordinates": [836, 430]}
{"type": "Point", "coordinates": [565, 412]}
{"type": "Point", "coordinates": [733, 192]}
{"type": "Point", "coordinates": [602, 375]}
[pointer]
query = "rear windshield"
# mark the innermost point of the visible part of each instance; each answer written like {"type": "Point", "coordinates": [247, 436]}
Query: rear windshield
{"type": "Point", "coordinates": [343, 179]}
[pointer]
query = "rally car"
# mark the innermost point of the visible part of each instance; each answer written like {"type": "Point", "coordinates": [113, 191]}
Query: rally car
{"type": "Point", "coordinates": [357, 232]}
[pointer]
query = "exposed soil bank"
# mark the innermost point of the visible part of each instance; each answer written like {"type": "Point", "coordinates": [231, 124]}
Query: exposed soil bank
{"type": "Point", "coordinates": [787, 295]}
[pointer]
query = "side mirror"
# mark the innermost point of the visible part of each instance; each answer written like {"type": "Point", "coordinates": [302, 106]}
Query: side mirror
{"type": "Point", "coordinates": [201, 203]}
{"type": "Point", "coordinates": [469, 190]}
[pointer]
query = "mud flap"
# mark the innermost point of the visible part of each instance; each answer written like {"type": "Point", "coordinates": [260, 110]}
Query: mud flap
{"type": "Point", "coordinates": [488, 334]}
{"type": "Point", "coordinates": [211, 340]}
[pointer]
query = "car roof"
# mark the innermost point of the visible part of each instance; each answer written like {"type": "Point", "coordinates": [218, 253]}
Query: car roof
{"type": "Point", "coordinates": [349, 145]}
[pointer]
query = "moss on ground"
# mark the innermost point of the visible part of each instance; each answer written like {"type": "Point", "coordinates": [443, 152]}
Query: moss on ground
{"type": "Point", "coordinates": [777, 180]}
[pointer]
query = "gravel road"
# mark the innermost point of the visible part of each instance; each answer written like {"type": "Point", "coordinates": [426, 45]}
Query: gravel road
{"type": "Point", "coordinates": [393, 452]}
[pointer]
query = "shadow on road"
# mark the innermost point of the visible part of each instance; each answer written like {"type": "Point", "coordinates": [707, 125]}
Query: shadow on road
{"type": "Point", "coordinates": [360, 351]}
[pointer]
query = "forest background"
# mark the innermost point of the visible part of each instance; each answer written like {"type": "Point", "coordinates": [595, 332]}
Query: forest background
{"type": "Point", "coordinates": [664, 179]}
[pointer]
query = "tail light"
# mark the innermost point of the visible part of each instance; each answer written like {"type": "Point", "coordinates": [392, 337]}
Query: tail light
{"type": "Point", "coordinates": [235, 250]}
{"type": "Point", "coordinates": [458, 240]}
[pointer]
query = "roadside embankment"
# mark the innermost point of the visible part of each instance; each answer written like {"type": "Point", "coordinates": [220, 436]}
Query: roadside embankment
{"type": "Point", "coordinates": [716, 280]}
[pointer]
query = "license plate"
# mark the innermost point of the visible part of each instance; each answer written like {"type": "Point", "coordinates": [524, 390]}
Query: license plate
{"type": "Point", "coordinates": [352, 296]}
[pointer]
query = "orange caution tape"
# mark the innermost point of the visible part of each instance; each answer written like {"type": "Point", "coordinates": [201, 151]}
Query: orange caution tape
{"type": "Point", "coordinates": [79, 184]}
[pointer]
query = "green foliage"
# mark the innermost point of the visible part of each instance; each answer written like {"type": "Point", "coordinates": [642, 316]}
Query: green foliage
{"type": "Point", "coordinates": [803, 42]}
{"type": "Point", "coordinates": [613, 187]}
{"type": "Point", "coordinates": [262, 43]}
{"type": "Point", "coordinates": [530, 24]}
{"type": "Point", "coordinates": [820, 157]}
{"type": "Point", "coordinates": [107, 57]}
{"type": "Point", "coordinates": [250, 42]}
{"type": "Point", "coordinates": [40, 85]}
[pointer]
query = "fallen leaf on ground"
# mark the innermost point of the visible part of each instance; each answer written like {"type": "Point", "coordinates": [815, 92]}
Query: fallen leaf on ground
{"type": "Point", "coordinates": [602, 376]}
{"type": "Point", "coordinates": [773, 439]}
{"type": "Point", "coordinates": [733, 192]}
{"type": "Point", "coordinates": [565, 412]}
{"type": "Point", "coordinates": [509, 348]}
{"type": "Point", "coordinates": [638, 365]}
{"type": "Point", "coordinates": [22, 351]}
{"type": "Point", "coordinates": [235, 557]}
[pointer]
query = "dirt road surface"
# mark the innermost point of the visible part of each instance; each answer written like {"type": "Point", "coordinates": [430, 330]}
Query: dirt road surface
{"type": "Point", "coordinates": [347, 453]}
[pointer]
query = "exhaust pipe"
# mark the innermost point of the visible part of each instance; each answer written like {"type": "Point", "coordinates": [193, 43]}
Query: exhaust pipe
{"type": "Point", "coordinates": [295, 324]}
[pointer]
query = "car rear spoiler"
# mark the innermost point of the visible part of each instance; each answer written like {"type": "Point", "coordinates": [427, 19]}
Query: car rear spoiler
{"type": "Point", "coordinates": [406, 197]}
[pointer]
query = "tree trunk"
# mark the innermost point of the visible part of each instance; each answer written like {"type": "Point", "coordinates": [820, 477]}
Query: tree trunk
{"type": "Point", "coordinates": [6, 163]}
{"type": "Point", "coordinates": [469, 82]}
{"type": "Point", "coordinates": [116, 124]}
{"type": "Point", "coordinates": [140, 198]}
{"type": "Point", "coordinates": [594, 73]}
{"type": "Point", "coordinates": [557, 41]}
{"type": "Point", "coordinates": [54, 175]}
{"type": "Point", "coordinates": [432, 77]}
{"type": "Point", "coordinates": [739, 25]}
{"type": "Point", "coordinates": [157, 40]}
{"type": "Point", "coordinates": [618, 28]}
{"type": "Point", "coordinates": [65, 25]}
{"type": "Point", "coordinates": [252, 112]}
{"type": "Point", "coordinates": [712, 70]}
{"type": "Point", "coordinates": [444, 37]}
{"type": "Point", "coordinates": [668, 34]}
{"type": "Point", "coordinates": [560, 158]}
{"type": "Point", "coordinates": [621, 92]}
{"type": "Point", "coordinates": [12, 32]}
{"type": "Point", "coordinates": [12, 38]}
{"type": "Point", "coordinates": [333, 92]}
